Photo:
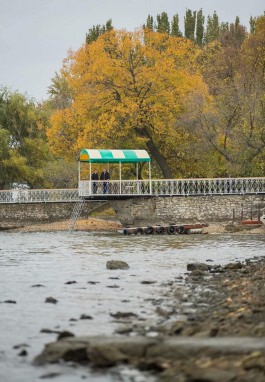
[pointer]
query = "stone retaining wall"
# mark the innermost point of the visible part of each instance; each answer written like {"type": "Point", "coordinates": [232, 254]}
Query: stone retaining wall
{"type": "Point", "coordinates": [143, 211]}
{"type": "Point", "coordinates": [36, 213]}
{"type": "Point", "coordinates": [214, 208]}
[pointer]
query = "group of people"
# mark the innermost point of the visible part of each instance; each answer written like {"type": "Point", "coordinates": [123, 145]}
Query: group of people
{"type": "Point", "coordinates": [105, 177]}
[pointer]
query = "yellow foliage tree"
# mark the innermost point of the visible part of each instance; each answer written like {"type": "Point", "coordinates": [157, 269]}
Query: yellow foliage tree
{"type": "Point", "coordinates": [128, 90]}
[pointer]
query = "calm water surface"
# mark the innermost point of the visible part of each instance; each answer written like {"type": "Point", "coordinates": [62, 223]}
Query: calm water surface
{"type": "Point", "coordinates": [53, 259]}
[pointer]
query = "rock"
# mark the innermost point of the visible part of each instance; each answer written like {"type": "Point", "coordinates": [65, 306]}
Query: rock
{"type": "Point", "coordinates": [70, 282]}
{"type": "Point", "coordinates": [211, 374]}
{"type": "Point", "coordinates": [147, 282]}
{"type": "Point", "coordinates": [23, 353]}
{"type": "Point", "coordinates": [198, 266]}
{"type": "Point", "coordinates": [194, 359]}
{"type": "Point", "coordinates": [49, 331]}
{"type": "Point", "coordinates": [117, 264]}
{"type": "Point", "coordinates": [19, 346]}
{"type": "Point", "coordinates": [197, 272]}
{"type": "Point", "coordinates": [64, 334]}
{"type": "Point", "coordinates": [63, 350]}
{"type": "Point", "coordinates": [119, 315]}
{"type": "Point", "coordinates": [86, 317]}
{"type": "Point", "coordinates": [50, 375]}
{"type": "Point", "coordinates": [10, 302]}
{"type": "Point", "coordinates": [51, 300]}
{"type": "Point", "coordinates": [176, 327]}
{"type": "Point", "coordinates": [233, 266]}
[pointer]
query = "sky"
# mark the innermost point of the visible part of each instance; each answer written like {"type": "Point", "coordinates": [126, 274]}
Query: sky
{"type": "Point", "coordinates": [35, 35]}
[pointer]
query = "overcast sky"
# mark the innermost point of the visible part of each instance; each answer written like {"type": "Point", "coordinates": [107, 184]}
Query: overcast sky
{"type": "Point", "coordinates": [35, 35]}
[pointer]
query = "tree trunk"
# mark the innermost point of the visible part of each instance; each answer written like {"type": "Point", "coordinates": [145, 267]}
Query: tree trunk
{"type": "Point", "coordinates": [154, 151]}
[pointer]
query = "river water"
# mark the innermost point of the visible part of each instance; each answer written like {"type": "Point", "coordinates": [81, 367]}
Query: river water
{"type": "Point", "coordinates": [72, 269]}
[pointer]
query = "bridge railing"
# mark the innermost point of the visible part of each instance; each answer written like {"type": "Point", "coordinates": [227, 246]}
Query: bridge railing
{"type": "Point", "coordinates": [157, 187]}
{"type": "Point", "coordinates": [184, 187]}
{"type": "Point", "coordinates": [214, 186]}
{"type": "Point", "coordinates": [39, 196]}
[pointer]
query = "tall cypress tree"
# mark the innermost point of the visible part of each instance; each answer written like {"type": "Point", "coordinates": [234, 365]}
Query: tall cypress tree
{"type": "Point", "coordinates": [149, 23]}
{"type": "Point", "coordinates": [97, 30]}
{"type": "Point", "coordinates": [189, 24]}
{"type": "Point", "coordinates": [212, 28]}
{"type": "Point", "coordinates": [175, 31]}
{"type": "Point", "coordinates": [252, 24]}
{"type": "Point", "coordinates": [163, 25]}
{"type": "Point", "coordinates": [200, 27]}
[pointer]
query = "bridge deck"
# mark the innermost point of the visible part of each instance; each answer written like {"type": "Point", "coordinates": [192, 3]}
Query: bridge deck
{"type": "Point", "coordinates": [138, 188]}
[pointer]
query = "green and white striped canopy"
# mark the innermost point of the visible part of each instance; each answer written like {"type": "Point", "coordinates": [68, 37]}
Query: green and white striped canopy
{"type": "Point", "coordinates": [114, 156]}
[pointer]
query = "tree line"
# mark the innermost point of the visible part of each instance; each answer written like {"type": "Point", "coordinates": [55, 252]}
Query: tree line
{"type": "Point", "coordinates": [193, 99]}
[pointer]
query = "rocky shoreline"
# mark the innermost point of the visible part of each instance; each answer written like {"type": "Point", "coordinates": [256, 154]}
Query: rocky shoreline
{"type": "Point", "coordinates": [213, 330]}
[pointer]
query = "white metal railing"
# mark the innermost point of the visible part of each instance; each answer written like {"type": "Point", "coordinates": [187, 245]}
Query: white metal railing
{"type": "Point", "coordinates": [116, 187]}
{"type": "Point", "coordinates": [155, 187]}
{"type": "Point", "coordinates": [39, 196]}
{"type": "Point", "coordinates": [184, 187]}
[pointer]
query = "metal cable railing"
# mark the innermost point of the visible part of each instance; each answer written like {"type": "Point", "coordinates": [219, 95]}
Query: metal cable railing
{"type": "Point", "coordinates": [155, 187]}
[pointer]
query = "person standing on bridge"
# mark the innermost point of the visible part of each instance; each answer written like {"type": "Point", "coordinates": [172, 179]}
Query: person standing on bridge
{"type": "Point", "coordinates": [106, 177]}
{"type": "Point", "coordinates": [95, 179]}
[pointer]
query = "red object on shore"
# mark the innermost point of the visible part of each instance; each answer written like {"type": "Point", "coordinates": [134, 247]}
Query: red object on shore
{"type": "Point", "coordinates": [250, 222]}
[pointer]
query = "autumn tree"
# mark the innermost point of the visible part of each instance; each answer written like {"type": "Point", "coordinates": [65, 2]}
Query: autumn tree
{"type": "Point", "coordinates": [232, 120]}
{"type": "Point", "coordinates": [129, 88]}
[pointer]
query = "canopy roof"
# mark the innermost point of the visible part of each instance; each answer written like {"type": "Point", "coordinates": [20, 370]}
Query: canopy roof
{"type": "Point", "coordinates": [114, 156]}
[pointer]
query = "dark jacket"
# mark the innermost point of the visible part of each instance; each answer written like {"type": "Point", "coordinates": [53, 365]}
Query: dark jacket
{"type": "Point", "coordinates": [104, 176]}
{"type": "Point", "coordinates": [94, 176]}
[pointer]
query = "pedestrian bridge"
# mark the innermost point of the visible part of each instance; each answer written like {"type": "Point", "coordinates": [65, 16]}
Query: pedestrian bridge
{"type": "Point", "coordinates": [122, 189]}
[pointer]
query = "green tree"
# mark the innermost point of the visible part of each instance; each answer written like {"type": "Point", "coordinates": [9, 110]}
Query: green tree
{"type": "Point", "coordinates": [200, 27]}
{"type": "Point", "coordinates": [23, 147]}
{"type": "Point", "coordinates": [163, 24]}
{"type": "Point", "coordinates": [252, 24]}
{"type": "Point", "coordinates": [98, 30]}
{"type": "Point", "coordinates": [59, 92]}
{"type": "Point", "coordinates": [175, 30]}
{"type": "Point", "coordinates": [212, 28]}
{"type": "Point", "coordinates": [149, 23]}
{"type": "Point", "coordinates": [189, 24]}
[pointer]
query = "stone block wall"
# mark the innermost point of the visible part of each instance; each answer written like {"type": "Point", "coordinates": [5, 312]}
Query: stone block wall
{"type": "Point", "coordinates": [22, 214]}
{"type": "Point", "coordinates": [143, 211]}
{"type": "Point", "coordinates": [178, 209]}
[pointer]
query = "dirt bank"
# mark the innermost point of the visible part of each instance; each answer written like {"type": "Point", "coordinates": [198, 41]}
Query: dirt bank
{"type": "Point", "coordinates": [89, 224]}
